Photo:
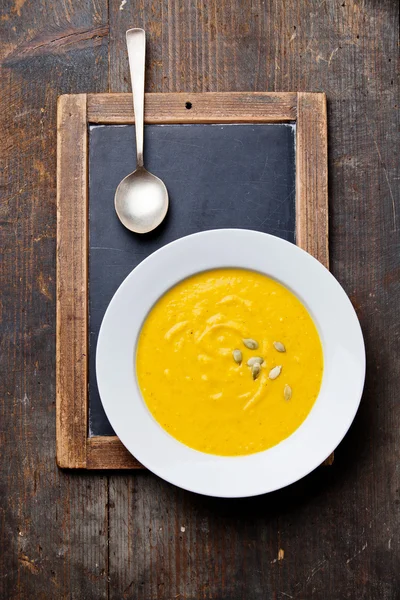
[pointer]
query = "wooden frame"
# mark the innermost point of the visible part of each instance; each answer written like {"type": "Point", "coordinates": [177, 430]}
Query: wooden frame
{"type": "Point", "coordinates": [74, 448]}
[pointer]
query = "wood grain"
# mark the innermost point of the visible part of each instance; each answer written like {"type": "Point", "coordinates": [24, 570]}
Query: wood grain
{"type": "Point", "coordinates": [239, 107]}
{"type": "Point", "coordinates": [312, 176]}
{"type": "Point", "coordinates": [107, 452]}
{"type": "Point", "coordinates": [73, 535]}
{"type": "Point", "coordinates": [54, 527]}
{"type": "Point", "coordinates": [72, 276]}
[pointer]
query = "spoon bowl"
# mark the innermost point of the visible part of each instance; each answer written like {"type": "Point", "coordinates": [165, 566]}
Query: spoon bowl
{"type": "Point", "coordinates": [141, 201]}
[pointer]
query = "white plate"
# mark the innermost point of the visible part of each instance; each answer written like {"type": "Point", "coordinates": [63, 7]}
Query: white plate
{"type": "Point", "coordinates": [330, 417]}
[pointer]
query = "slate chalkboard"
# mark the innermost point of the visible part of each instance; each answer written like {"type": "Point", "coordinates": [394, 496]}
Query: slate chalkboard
{"type": "Point", "coordinates": [217, 176]}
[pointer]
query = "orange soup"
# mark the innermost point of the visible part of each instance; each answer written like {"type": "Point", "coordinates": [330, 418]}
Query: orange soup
{"type": "Point", "coordinates": [229, 362]}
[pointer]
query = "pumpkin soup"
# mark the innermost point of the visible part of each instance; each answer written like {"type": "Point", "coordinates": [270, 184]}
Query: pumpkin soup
{"type": "Point", "coordinates": [229, 362]}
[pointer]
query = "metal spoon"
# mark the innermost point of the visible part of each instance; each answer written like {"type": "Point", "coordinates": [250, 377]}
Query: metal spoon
{"type": "Point", "coordinates": [141, 199]}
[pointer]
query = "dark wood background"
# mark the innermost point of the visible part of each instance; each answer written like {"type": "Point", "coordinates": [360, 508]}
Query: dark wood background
{"type": "Point", "coordinates": [332, 536]}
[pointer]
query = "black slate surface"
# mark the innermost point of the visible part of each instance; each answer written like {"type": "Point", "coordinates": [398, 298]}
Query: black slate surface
{"type": "Point", "coordinates": [217, 176]}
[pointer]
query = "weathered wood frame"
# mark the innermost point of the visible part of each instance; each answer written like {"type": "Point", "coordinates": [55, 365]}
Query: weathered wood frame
{"type": "Point", "coordinates": [74, 448]}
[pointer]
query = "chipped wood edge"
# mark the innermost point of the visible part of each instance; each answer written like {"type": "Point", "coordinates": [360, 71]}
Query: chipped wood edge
{"type": "Point", "coordinates": [312, 227]}
{"type": "Point", "coordinates": [209, 107]}
{"type": "Point", "coordinates": [108, 452]}
{"type": "Point", "coordinates": [72, 273]}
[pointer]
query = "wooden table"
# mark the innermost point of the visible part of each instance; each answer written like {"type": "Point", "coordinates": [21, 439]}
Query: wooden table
{"type": "Point", "coordinates": [82, 536]}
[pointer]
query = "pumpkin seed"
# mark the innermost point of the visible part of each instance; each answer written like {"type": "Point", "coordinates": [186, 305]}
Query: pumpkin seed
{"type": "Point", "coordinates": [255, 359]}
{"type": "Point", "coordinates": [287, 392]}
{"type": "Point", "coordinates": [279, 347]}
{"type": "Point", "coordinates": [275, 372]}
{"type": "Point", "coordinates": [237, 356]}
{"type": "Point", "coordinates": [255, 370]}
{"type": "Point", "coordinates": [250, 344]}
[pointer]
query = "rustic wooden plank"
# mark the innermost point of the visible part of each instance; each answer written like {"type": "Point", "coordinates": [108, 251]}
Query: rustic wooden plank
{"type": "Point", "coordinates": [338, 528]}
{"type": "Point", "coordinates": [107, 452]}
{"type": "Point", "coordinates": [53, 525]}
{"type": "Point", "coordinates": [312, 176]}
{"type": "Point", "coordinates": [72, 274]}
{"type": "Point", "coordinates": [237, 107]}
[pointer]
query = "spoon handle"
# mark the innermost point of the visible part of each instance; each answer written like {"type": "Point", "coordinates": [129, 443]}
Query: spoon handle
{"type": "Point", "coordinates": [136, 43]}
